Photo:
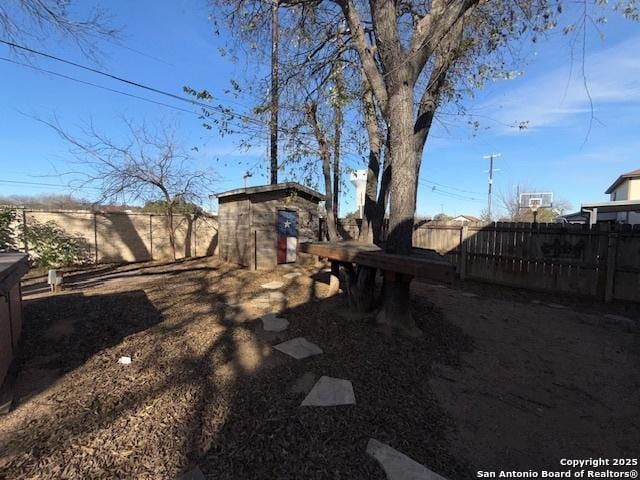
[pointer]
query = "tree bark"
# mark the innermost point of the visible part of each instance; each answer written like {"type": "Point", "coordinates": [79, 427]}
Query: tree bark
{"type": "Point", "coordinates": [373, 171]}
{"type": "Point", "coordinates": [325, 157]}
{"type": "Point", "coordinates": [395, 312]}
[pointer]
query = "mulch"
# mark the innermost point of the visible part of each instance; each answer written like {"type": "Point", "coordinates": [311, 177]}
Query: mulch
{"type": "Point", "coordinates": [205, 389]}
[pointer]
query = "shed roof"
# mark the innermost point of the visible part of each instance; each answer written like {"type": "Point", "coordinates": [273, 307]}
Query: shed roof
{"type": "Point", "coordinates": [287, 186]}
{"type": "Point", "coordinates": [621, 178]}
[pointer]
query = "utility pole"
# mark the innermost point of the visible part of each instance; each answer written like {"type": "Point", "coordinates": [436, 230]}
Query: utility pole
{"type": "Point", "coordinates": [490, 158]}
{"type": "Point", "coordinates": [274, 91]}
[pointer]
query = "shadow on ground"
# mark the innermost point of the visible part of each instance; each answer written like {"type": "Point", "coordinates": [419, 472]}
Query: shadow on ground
{"type": "Point", "coordinates": [206, 389]}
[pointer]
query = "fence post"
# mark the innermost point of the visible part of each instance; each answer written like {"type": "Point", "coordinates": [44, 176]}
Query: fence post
{"type": "Point", "coordinates": [95, 235]}
{"type": "Point", "coordinates": [611, 267]}
{"type": "Point", "coordinates": [24, 230]}
{"type": "Point", "coordinates": [462, 265]}
{"type": "Point", "coordinates": [151, 235]}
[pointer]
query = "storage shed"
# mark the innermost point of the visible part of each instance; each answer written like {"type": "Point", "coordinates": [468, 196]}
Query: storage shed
{"type": "Point", "coordinates": [260, 227]}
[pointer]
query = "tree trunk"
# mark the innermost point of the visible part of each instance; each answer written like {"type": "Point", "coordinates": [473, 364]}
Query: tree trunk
{"type": "Point", "coordinates": [336, 159]}
{"type": "Point", "coordinates": [395, 312]}
{"type": "Point", "coordinates": [360, 284]}
{"type": "Point", "coordinates": [172, 233]}
{"type": "Point", "coordinates": [373, 171]}
{"type": "Point", "coordinates": [325, 157]}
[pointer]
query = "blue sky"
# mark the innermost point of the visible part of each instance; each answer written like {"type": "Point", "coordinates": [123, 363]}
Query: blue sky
{"type": "Point", "coordinates": [557, 153]}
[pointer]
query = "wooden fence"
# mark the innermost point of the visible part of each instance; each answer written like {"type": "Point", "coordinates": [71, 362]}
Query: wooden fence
{"type": "Point", "coordinates": [126, 236]}
{"type": "Point", "coordinates": [602, 261]}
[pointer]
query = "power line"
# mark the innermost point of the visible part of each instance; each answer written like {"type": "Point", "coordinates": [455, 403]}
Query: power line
{"type": "Point", "coordinates": [205, 106]}
{"type": "Point", "coordinates": [450, 187]}
{"type": "Point", "coordinates": [42, 184]}
{"type": "Point", "coordinates": [113, 90]}
{"type": "Point", "coordinates": [454, 195]}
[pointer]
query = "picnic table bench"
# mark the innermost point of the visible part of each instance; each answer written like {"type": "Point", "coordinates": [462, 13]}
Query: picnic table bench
{"type": "Point", "coordinates": [421, 263]}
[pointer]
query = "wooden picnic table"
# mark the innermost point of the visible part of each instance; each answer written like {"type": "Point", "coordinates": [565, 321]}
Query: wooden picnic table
{"type": "Point", "coordinates": [421, 263]}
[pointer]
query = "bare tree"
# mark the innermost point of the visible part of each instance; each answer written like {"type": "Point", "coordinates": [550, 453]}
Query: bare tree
{"type": "Point", "coordinates": [22, 20]}
{"type": "Point", "coordinates": [149, 163]}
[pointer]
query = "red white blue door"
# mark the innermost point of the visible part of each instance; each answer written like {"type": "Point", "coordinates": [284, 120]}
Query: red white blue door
{"type": "Point", "coordinates": [287, 231]}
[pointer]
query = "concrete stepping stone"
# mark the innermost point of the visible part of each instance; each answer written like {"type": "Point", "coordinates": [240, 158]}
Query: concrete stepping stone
{"type": "Point", "coordinates": [194, 474]}
{"type": "Point", "coordinates": [329, 392]}
{"type": "Point", "coordinates": [299, 348]}
{"type": "Point", "coordinates": [277, 297]}
{"type": "Point", "coordinates": [397, 465]}
{"type": "Point", "coordinates": [292, 275]}
{"type": "Point", "coordinates": [273, 323]}
{"type": "Point", "coordinates": [261, 301]}
{"type": "Point", "coordinates": [275, 285]}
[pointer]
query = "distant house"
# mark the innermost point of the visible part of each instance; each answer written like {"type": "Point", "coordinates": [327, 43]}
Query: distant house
{"type": "Point", "coordinates": [465, 218]}
{"type": "Point", "coordinates": [626, 187]}
{"type": "Point", "coordinates": [623, 205]}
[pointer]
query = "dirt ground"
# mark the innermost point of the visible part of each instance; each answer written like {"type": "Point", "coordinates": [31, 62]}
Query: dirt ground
{"type": "Point", "coordinates": [502, 379]}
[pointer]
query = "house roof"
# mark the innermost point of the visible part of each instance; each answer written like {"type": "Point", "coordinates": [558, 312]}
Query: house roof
{"type": "Point", "coordinates": [622, 178]}
{"type": "Point", "coordinates": [290, 186]}
{"type": "Point", "coordinates": [471, 218]}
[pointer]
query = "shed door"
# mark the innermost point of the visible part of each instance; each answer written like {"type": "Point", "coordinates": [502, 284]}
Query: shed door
{"type": "Point", "coordinates": [287, 231]}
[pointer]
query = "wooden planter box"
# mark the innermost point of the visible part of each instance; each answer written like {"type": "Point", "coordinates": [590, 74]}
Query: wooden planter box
{"type": "Point", "coordinates": [12, 267]}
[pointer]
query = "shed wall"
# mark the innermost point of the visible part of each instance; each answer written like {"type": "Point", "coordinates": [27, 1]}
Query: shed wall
{"type": "Point", "coordinates": [234, 222]}
{"type": "Point", "coordinates": [248, 227]}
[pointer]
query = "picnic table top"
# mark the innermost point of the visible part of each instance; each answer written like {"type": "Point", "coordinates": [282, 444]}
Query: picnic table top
{"type": "Point", "coordinates": [420, 263]}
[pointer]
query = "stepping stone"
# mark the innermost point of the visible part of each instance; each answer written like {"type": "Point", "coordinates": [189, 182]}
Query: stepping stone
{"type": "Point", "coordinates": [275, 285]}
{"type": "Point", "coordinates": [261, 301]}
{"type": "Point", "coordinates": [292, 275]}
{"type": "Point", "coordinates": [398, 466]}
{"type": "Point", "coordinates": [194, 474]}
{"type": "Point", "coordinates": [272, 323]}
{"type": "Point", "coordinates": [299, 348]}
{"type": "Point", "coordinates": [329, 392]}
{"type": "Point", "coordinates": [277, 297]}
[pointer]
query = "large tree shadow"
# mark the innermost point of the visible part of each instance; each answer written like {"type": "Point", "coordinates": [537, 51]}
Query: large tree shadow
{"type": "Point", "coordinates": [205, 387]}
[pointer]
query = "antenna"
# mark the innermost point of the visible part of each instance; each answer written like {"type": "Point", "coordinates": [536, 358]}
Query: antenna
{"type": "Point", "coordinates": [490, 158]}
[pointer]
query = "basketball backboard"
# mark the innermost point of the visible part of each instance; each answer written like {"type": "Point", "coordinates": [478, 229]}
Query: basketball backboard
{"type": "Point", "coordinates": [536, 200]}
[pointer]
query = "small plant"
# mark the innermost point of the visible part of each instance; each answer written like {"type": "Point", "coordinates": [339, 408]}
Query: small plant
{"type": "Point", "coordinates": [52, 247]}
{"type": "Point", "coordinates": [7, 234]}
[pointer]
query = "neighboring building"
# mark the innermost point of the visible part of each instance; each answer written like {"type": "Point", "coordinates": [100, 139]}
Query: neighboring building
{"type": "Point", "coordinates": [626, 187]}
{"type": "Point", "coordinates": [465, 218]}
{"type": "Point", "coordinates": [260, 227]}
{"type": "Point", "coordinates": [359, 181]}
{"type": "Point", "coordinates": [623, 205]}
